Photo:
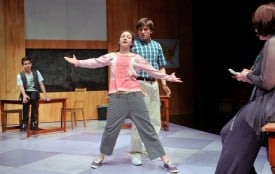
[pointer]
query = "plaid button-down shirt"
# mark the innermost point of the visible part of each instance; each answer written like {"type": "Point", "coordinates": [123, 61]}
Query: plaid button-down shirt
{"type": "Point", "coordinates": [150, 51]}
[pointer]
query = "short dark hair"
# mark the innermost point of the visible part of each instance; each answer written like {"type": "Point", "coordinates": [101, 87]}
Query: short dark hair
{"type": "Point", "coordinates": [263, 19]}
{"type": "Point", "coordinates": [145, 22]}
{"type": "Point", "coordinates": [24, 59]}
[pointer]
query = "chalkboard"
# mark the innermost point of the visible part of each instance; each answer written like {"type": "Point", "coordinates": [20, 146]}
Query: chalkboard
{"type": "Point", "coordinates": [61, 76]}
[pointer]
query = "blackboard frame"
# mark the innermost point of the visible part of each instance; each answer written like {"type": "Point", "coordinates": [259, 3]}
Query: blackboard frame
{"type": "Point", "coordinates": [60, 76]}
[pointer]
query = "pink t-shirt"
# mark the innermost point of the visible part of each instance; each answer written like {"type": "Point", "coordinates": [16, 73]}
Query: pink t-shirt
{"type": "Point", "coordinates": [121, 80]}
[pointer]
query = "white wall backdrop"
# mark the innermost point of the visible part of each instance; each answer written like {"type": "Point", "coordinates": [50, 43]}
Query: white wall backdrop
{"type": "Point", "coordinates": [65, 19]}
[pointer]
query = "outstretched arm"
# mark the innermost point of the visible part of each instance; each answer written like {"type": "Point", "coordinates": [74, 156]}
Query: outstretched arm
{"type": "Point", "coordinates": [141, 64]}
{"type": "Point", "coordinates": [91, 62]}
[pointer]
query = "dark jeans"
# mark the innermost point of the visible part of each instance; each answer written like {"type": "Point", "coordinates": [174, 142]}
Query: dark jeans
{"type": "Point", "coordinates": [34, 98]}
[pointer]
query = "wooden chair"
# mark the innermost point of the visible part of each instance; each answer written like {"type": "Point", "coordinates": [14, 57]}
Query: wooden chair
{"type": "Point", "coordinates": [79, 105]}
{"type": "Point", "coordinates": [270, 129]}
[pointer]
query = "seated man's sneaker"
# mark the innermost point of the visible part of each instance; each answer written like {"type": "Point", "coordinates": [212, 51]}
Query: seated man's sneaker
{"type": "Point", "coordinates": [170, 167]}
{"type": "Point", "coordinates": [96, 163]}
{"type": "Point", "coordinates": [34, 126]}
{"type": "Point", "coordinates": [23, 127]}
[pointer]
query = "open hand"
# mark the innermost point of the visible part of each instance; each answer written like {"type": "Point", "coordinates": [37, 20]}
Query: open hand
{"type": "Point", "coordinates": [173, 78]}
{"type": "Point", "coordinates": [26, 99]}
{"type": "Point", "coordinates": [71, 60]}
{"type": "Point", "coordinates": [46, 98]}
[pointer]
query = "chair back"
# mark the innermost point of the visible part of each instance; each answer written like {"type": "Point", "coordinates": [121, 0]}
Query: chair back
{"type": "Point", "coordinates": [80, 97]}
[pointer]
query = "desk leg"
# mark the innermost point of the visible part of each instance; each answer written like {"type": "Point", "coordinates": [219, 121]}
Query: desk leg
{"type": "Point", "coordinates": [166, 110]}
{"type": "Point", "coordinates": [165, 114]}
{"type": "Point", "coordinates": [2, 117]}
{"type": "Point", "coordinates": [37, 116]}
{"type": "Point", "coordinates": [63, 119]}
{"type": "Point", "coordinates": [63, 115]}
{"type": "Point", "coordinates": [4, 121]}
{"type": "Point", "coordinates": [28, 129]}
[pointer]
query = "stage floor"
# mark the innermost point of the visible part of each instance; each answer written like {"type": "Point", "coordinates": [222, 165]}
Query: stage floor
{"type": "Point", "coordinates": [71, 152]}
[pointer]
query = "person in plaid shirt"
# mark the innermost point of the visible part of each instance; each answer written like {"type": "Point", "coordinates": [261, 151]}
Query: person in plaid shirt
{"type": "Point", "coordinates": [151, 51]}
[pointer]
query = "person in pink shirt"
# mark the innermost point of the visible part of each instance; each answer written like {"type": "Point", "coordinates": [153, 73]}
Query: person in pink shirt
{"type": "Point", "coordinates": [126, 99]}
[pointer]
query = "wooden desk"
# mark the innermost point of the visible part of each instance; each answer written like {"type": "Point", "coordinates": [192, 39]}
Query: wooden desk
{"type": "Point", "coordinates": [270, 129]}
{"type": "Point", "coordinates": [39, 131]}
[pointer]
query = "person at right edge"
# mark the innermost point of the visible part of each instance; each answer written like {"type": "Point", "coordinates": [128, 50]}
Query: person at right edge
{"type": "Point", "coordinates": [152, 52]}
{"type": "Point", "coordinates": [242, 137]}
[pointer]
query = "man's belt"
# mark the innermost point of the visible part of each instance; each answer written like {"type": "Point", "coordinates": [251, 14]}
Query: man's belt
{"type": "Point", "coordinates": [146, 79]}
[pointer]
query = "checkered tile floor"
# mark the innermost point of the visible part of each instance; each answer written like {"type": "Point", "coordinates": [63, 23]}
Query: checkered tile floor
{"type": "Point", "coordinates": [193, 151]}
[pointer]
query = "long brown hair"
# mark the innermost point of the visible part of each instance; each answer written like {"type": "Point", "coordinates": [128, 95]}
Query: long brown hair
{"type": "Point", "coordinates": [132, 34]}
